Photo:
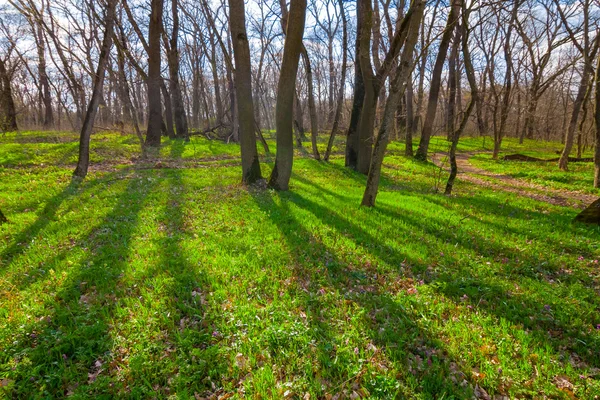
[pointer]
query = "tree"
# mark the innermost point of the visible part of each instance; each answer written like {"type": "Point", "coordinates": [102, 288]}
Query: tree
{"type": "Point", "coordinates": [597, 122]}
{"type": "Point", "coordinates": [243, 85]}
{"type": "Point", "coordinates": [8, 111]}
{"type": "Point", "coordinates": [588, 48]}
{"type": "Point", "coordinates": [3, 218]}
{"type": "Point", "coordinates": [286, 88]}
{"type": "Point", "coordinates": [90, 116]}
{"type": "Point", "coordinates": [470, 71]}
{"type": "Point", "coordinates": [411, 24]}
{"type": "Point", "coordinates": [436, 80]}
{"type": "Point", "coordinates": [340, 96]}
{"type": "Point", "coordinates": [172, 48]}
{"type": "Point", "coordinates": [154, 79]}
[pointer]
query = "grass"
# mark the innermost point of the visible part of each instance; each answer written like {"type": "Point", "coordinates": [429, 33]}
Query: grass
{"type": "Point", "coordinates": [180, 282]}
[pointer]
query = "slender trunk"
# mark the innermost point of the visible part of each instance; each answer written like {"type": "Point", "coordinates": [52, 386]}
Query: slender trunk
{"type": "Point", "coordinates": [181, 125]}
{"type": "Point", "coordinates": [470, 71]}
{"type": "Point", "coordinates": [88, 123]}
{"type": "Point", "coordinates": [43, 76]}
{"type": "Point", "coordinates": [436, 80]}
{"type": "Point", "coordinates": [153, 133]}
{"type": "Point", "coordinates": [340, 96]}
{"type": "Point", "coordinates": [597, 122]}
{"type": "Point", "coordinates": [167, 123]}
{"type": "Point", "coordinates": [286, 88]}
{"type": "Point", "coordinates": [452, 84]}
{"type": "Point", "coordinates": [312, 110]}
{"type": "Point", "coordinates": [358, 99]}
{"type": "Point", "coordinates": [243, 86]}
{"type": "Point", "coordinates": [217, 87]}
{"type": "Point", "coordinates": [504, 110]}
{"type": "Point", "coordinates": [563, 162]}
{"type": "Point", "coordinates": [397, 89]}
{"type": "Point", "coordinates": [411, 121]}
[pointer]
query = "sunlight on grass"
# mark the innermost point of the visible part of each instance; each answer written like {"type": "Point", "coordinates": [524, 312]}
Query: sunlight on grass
{"type": "Point", "coordinates": [180, 281]}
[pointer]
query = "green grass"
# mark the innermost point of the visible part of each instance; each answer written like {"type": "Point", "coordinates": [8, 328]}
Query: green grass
{"type": "Point", "coordinates": [580, 176]}
{"type": "Point", "coordinates": [176, 282]}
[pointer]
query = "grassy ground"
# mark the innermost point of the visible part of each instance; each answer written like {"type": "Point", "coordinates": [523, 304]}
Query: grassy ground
{"type": "Point", "coordinates": [179, 282]}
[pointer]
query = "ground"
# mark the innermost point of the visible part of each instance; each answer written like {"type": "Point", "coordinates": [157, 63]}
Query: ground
{"type": "Point", "coordinates": [170, 279]}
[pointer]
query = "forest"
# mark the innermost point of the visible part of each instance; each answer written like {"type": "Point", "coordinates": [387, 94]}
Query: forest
{"type": "Point", "coordinates": [303, 199]}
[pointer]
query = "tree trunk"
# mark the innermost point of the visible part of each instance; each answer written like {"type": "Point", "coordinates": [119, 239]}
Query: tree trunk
{"type": "Point", "coordinates": [312, 110]}
{"type": "Point", "coordinates": [436, 80]}
{"type": "Point", "coordinates": [43, 76]}
{"type": "Point", "coordinates": [358, 99]}
{"type": "Point", "coordinates": [597, 122]}
{"type": "Point", "coordinates": [452, 85]}
{"type": "Point", "coordinates": [470, 70]}
{"type": "Point", "coordinates": [411, 122]}
{"type": "Point", "coordinates": [168, 123]}
{"type": "Point", "coordinates": [340, 96]}
{"type": "Point", "coordinates": [3, 219]}
{"type": "Point", "coordinates": [504, 110]}
{"type": "Point", "coordinates": [88, 124]}
{"type": "Point", "coordinates": [398, 87]}
{"type": "Point", "coordinates": [243, 86]}
{"type": "Point", "coordinates": [563, 162]}
{"type": "Point", "coordinates": [153, 134]}
{"type": "Point", "coordinates": [286, 88]}
{"type": "Point", "coordinates": [181, 125]}
{"type": "Point", "coordinates": [8, 111]}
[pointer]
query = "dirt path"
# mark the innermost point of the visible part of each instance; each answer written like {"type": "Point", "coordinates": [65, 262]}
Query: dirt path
{"type": "Point", "coordinates": [481, 177]}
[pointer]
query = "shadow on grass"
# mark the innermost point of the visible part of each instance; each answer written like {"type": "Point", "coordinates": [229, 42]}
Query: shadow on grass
{"type": "Point", "coordinates": [23, 239]}
{"type": "Point", "coordinates": [389, 325]}
{"type": "Point", "coordinates": [75, 340]}
{"type": "Point", "coordinates": [549, 324]}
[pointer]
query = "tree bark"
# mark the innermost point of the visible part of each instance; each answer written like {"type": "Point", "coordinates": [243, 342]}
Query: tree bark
{"type": "Point", "coordinates": [597, 122]}
{"type": "Point", "coordinates": [312, 109]}
{"type": "Point", "coordinates": [563, 162]}
{"type": "Point", "coordinates": [8, 111]}
{"type": "Point", "coordinates": [43, 75]}
{"type": "Point", "coordinates": [340, 96]}
{"type": "Point", "coordinates": [401, 76]}
{"type": "Point", "coordinates": [181, 124]}
{"type": "Point", "coordinates": [470, 71]}
{"type": "Point", "coordinates": [88, 124]}
{"type": "Point", "coordinates": [411, 122]}
{"type": "Point", "coordinates": [436, 80]}
{"type": "Point", "coordinates": [153, 134]}
{"type": "Point", "coordinates": [282, 171]}
{"type": "Point", "coordinates": [243, 86]}
{"type": "Point", "coordinates": [351, 160]}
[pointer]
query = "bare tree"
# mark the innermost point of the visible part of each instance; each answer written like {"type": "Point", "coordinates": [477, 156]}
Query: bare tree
{"type": "Point", "coordinates": [88, 124]}
{"type": "Point", "coordinates": [411, 24]}
{"type": "Point", "coordinates": [286, 88]}
{"type": "Point", "coordinates": [243, 85]}
{"type": "Point", "coordinates": [436, 79]}
{"type": "Point", "coordinates": [154, 79]}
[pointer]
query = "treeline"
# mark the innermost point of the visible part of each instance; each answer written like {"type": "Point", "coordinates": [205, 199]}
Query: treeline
{"type": "Point", "coordinates": [369, 70]}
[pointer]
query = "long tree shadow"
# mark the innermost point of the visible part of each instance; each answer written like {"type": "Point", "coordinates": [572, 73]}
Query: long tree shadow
{"type": "Point", "coordinates": [74, 340]}
{"type": "Point", "coordinates": [177, 291]}
{"type": "Point", "coordinates": [554, 328]}
{"type": "Point", "coordinates": [23, 239]}
{"type": "Point", "coordinates": [397, 332]}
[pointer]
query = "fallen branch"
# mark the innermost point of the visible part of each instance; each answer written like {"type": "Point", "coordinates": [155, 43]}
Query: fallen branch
{"type": "Point", "coordinates": [208, 130]}
{"type": "Point", "coordinates": [524, 158]}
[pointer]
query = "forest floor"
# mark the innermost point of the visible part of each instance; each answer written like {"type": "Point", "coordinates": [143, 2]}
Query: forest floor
{"type": "Point", "coordinates": [508, 183]}
{"type": "Point", "coordinates": [169, 279]}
